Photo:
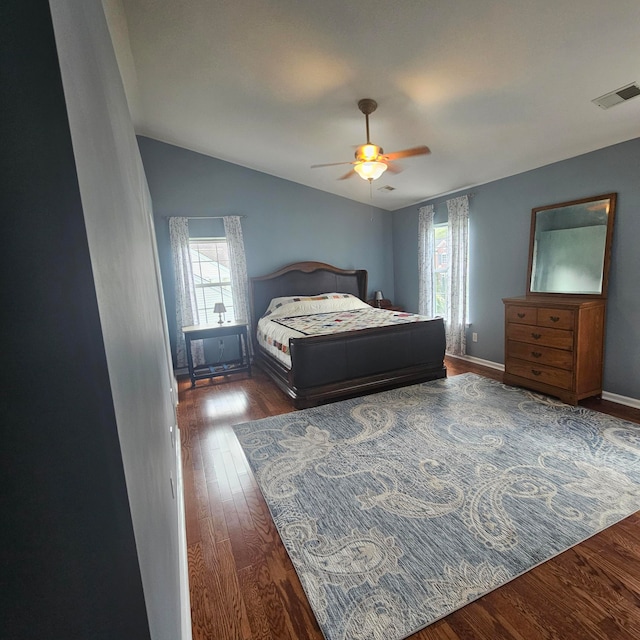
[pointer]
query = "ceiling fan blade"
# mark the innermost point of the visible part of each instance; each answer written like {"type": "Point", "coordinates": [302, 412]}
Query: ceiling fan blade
{"type": "Point", "coordinates": [347, 175]}
{"type": "Point", "coordinates": [394, 168]}
{"type": "Point", "coordinates": [407, 153]}
{"type": "Point", "coordinates": [330, 164]}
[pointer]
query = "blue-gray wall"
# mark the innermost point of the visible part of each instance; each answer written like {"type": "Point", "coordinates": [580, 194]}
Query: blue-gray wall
{"type": "Point", "coordinates": [500, 215]}
{"type": "Point", "coordinates": [285, 222]}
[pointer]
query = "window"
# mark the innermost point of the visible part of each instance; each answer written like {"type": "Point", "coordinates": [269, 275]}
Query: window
{"type": "Point", "coordinates": [212, 277]}
{"type": "Point", "coordinates": [440, 268]}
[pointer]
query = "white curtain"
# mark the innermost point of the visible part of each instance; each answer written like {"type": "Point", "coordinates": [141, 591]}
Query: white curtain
{"type": "Point", "coordinates": [186, 306]}
{"type": "Point", "coordinates": [239, 278]}
{"type": "Point", "coordinates": [458, 246]}
{"type": "Point", "coordinates": [425, 261]}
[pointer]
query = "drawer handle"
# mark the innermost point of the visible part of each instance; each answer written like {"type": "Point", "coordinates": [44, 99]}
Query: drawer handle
{"type": "Point", "coordinates": [521, 315]}
{"type": "Point", "coordinates": [536, 372]}
{"type": "Point", "coordinates": [536, 336]}
{"type": "Point", "coordinates": [536, 354]}
{"type": "Point", "coordinates": [554, 318]}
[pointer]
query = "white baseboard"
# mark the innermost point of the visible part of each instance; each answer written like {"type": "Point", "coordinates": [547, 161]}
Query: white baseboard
{"type": "Point", "coordinates": [626, 400]}
{"type": "Point", "coordinates": [174, 390]}
{"type": "Point", "coordinates": [185, 600]}
{"type": "Point", "coordinates": [480, 361]}
{"type": "Point", "coordinates": [606, 395]}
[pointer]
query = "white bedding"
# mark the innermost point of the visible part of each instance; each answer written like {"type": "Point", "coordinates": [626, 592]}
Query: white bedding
{"type": "Point", "coordinates": [338, 311]}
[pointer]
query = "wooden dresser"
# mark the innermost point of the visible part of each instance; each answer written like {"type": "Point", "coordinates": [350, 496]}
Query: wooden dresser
{"type": "Point", "coordinates": [554, 344]}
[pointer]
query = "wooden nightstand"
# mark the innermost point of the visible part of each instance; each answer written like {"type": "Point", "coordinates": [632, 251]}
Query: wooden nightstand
{"type": "Point", "coordinates": [384, 304]}
{"type": "Point", "coordinates": [202, 331]}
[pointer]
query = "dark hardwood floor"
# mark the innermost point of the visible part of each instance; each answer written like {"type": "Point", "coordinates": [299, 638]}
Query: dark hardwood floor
{"type": "Point", "coordinates": [243, 584]}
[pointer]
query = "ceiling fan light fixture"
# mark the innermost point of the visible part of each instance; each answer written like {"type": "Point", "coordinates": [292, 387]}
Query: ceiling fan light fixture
{"type": "Point", "coordinates": [370, 170]}
{"type": "Point", "coordinates": [368, 152]}
{"type": "Point", "coordinates": [371, 161]}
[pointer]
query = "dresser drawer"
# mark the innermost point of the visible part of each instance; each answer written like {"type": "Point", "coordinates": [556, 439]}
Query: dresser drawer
{"type": "Point", "coordinates": [541, 355]}
{"type": "Point", "coordinates": [522, 315]}
{"type": "Point", "coordinates": [558, 318]}
{"type": "Point", "coordinates": [548, 375]}
{"type": "Point", "coordinates": [545, 336]}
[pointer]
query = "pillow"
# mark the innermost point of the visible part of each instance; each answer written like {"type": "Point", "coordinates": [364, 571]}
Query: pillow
{"type": "Point", "coordinates": [289, 306]}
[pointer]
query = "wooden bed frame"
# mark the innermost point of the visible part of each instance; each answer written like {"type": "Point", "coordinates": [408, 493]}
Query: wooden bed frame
{"type": "Point", "coordinates": [337, 366]}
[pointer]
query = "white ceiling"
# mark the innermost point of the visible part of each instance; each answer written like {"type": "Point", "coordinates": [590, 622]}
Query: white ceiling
{"type": "Point", "coordinates": [494, 88]}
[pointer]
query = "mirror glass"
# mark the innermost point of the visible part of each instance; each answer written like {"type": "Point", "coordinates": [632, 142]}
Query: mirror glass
{"type": "Point", "coordinates": [570, 242]}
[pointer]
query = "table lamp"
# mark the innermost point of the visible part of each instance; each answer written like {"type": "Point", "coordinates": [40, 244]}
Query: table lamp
{"type": "Point", "coordinates": [219, 309]}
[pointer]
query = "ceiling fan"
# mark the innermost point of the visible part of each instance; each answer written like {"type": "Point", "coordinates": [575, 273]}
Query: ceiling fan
{"type": "Point", "coordinates": [371, 160]}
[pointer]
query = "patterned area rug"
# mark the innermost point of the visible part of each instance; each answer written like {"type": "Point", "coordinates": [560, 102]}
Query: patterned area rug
{"type": "Point", "coordinates": [400, 507]}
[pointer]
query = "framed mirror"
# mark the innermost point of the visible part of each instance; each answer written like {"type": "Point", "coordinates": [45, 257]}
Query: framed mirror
{"type": "Point", "coordinates": [570, 247]}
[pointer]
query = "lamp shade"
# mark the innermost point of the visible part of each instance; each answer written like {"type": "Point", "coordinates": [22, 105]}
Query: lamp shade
{"type": "Point", "coordinates": [370, 170]}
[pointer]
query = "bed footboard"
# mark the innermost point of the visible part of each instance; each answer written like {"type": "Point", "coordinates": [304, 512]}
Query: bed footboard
{"type": "Point", "coordinates": [337, 366]}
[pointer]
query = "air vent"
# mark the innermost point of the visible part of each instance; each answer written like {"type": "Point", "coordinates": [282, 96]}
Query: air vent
{"type": "Point", "coordinates": [622, 94]}
{"type": "Point", "coordinates": [387, 188]}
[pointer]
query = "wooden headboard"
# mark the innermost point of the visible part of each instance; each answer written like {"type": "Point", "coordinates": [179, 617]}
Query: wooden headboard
{"type": "Point", "coordinates": [304, 279]}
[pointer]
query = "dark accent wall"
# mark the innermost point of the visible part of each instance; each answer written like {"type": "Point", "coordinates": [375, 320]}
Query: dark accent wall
{"type": "Point", "coordinates": [499, 220]}
{"type": "Point", "coordinates": [69, 561]}
{"type": "Point", "coordinates": [285, 222]}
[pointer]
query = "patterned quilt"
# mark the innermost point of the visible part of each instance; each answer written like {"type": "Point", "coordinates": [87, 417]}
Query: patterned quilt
{"type": "Point", "coordinates": [317, 324]}
{"type": "Point", "coordinates": [303, 316]}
